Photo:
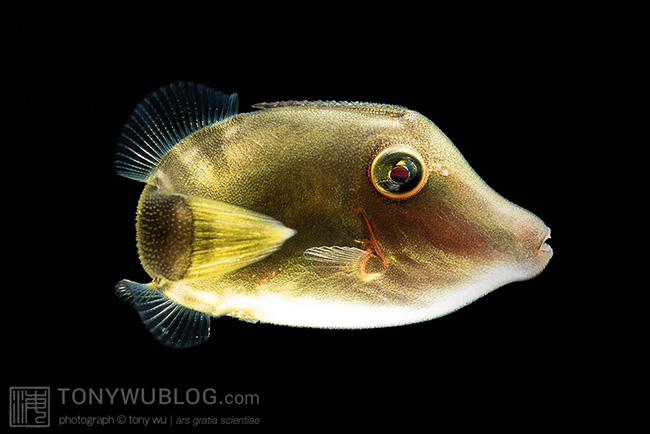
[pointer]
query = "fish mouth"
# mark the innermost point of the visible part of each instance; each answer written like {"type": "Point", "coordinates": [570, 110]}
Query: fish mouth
{"type": "Point", "coordinates": [544, 247]}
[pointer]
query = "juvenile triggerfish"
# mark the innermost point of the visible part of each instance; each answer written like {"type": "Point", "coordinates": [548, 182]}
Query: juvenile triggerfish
{"type": "Point", "coordinates": [313, 214]}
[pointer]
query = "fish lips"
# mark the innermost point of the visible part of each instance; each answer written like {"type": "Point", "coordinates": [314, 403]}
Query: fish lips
{"type": "Point", "coordinates": [539, 258]}
{"type": "Point", "coordinates": [544, 247]}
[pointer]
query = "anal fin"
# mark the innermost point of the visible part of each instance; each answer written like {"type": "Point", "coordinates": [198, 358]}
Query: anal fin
{"type": "Point", "coordinates": [170, 323]}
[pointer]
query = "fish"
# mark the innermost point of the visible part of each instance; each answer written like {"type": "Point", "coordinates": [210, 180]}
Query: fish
{"type": "Point", "coordinates": [322, 214]}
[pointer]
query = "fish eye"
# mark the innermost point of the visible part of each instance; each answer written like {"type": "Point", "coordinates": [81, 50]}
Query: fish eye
{"type": "Point", "coordinates": [398, 172]}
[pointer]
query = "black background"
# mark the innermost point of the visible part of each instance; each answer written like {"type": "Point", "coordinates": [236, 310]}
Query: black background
{"type": "Point", "coordinates": [504, 91]}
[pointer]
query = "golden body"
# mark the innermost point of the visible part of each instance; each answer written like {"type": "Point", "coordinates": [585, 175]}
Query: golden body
{"type": "Point", "coordinates": [327, 246]}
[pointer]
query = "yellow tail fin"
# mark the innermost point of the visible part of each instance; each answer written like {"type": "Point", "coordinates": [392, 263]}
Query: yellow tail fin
{"type": "Point", "coordinates": [186, 237]}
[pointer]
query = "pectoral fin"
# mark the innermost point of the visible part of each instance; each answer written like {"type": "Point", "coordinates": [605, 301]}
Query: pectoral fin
{"type": "Point", "coordinates": [335, 256]}
{"type": "Point", "coordinates": [346, 259]}
{"type": "Point", "coordinates": [186, 237]}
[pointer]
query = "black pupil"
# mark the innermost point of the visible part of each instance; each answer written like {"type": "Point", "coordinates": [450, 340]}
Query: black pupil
{"type": "Point", "coordinates": [399, 174]}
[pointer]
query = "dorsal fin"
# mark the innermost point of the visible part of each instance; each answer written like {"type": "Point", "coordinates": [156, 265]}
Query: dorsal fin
{"type": "Point", "coordinates": [381, 109]}
{"type": "Point", "coordinates": [163, 119]}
